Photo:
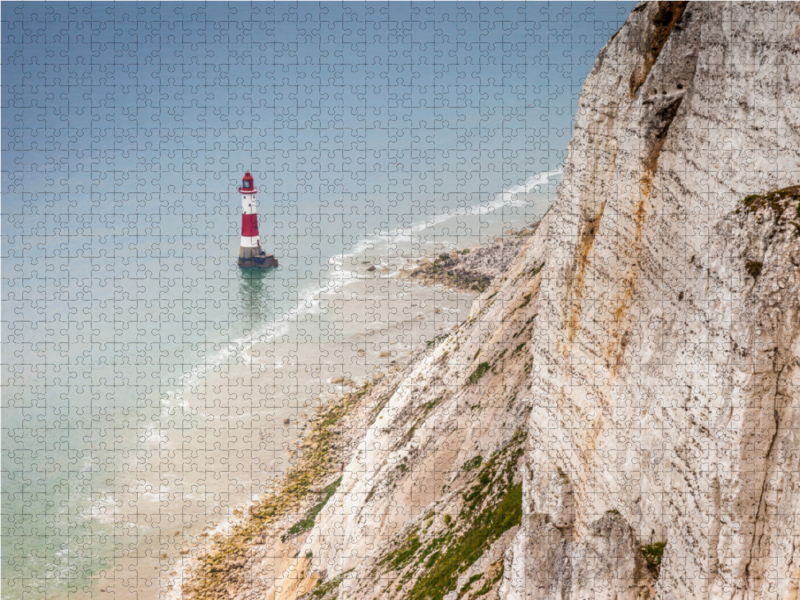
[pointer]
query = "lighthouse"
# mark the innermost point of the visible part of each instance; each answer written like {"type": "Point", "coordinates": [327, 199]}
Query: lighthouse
{"type": "Point", "coordinates": [250, 252]}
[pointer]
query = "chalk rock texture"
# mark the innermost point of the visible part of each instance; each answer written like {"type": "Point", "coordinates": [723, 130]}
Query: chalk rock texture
{"type": "Point", "coordinates": [666, 369]}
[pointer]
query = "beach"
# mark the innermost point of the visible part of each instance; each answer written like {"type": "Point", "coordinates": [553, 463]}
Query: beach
{"type": "Point", "coordinates": [226, 437]}
{"type": "Point", "coordinates": [261, 540]}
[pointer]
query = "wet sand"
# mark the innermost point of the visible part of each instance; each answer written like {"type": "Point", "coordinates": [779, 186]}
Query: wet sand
{"type": "Point", "coordinates": [233, 430]}
{"type": "Point", "coordinates": [227, 437]}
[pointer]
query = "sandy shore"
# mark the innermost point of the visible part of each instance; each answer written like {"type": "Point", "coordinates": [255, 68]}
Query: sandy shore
{"type": "Point", "coordinates": [240, 428]}
{"type": "Point", "coordinates": [333, 433]}
{"type": "Point", "coordinates": [238, 431]}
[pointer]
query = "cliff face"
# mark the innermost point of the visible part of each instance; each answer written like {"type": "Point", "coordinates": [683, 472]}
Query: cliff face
{"type": "Point", "coordinates": [666, 377]}
{"type": "Point", "coordinates": [430, 494]}
{"type": "Point", "coordinates": [620, 416]}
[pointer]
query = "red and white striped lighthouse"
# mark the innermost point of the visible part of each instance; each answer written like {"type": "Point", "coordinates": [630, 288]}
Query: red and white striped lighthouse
{"type": "Point", "coordinates": [250, 252]}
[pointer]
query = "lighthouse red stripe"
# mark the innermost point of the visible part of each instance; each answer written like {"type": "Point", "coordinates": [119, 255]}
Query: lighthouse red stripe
{"type": "Point", "coordinates": [249, 225]}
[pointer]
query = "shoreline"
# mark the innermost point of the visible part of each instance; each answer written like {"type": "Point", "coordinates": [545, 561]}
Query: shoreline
{"type": "Point", "coordinates": [329, 442]}
{"type": "Point", "coordinates": [350, 346]}
{"type": "Point", "coordinates": [324, 449]}
{"type": "Point", "coordinates": [370, 317]}
{"type": "Point", "coordinates": [473, 269]}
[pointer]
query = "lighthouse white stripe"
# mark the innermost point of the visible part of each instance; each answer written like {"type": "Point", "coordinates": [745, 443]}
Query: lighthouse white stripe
{"type": "Point", "coordinates": [249, 204]}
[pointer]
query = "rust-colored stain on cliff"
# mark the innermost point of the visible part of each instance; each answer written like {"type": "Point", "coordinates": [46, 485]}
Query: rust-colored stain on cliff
{"type": "Point", "coordinates": [585, 244]}
{"type": "Point", "coordinates": [656, 124]}
{"type": "Point", "coordinates": [619, 331]}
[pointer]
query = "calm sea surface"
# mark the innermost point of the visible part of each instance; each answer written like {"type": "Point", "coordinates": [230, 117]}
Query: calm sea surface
{"type": "Point", "coordinates": [146, 379]}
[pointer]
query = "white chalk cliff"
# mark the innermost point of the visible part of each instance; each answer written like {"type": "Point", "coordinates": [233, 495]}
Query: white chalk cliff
{"type": "Point", "coordinates": [636, 369]}
{"type": "Point", "coordinates": [666, 377]}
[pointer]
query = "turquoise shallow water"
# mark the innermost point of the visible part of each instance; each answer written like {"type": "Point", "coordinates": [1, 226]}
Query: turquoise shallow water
{"type": "Point", "coordinates": [145, 378]}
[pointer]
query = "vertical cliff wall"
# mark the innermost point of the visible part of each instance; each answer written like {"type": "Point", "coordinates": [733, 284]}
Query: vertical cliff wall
{"type": "Point", "coordinates": [666, 371]}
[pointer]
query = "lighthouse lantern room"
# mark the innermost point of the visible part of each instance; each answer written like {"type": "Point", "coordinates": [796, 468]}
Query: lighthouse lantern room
{"type": "Point", "coordinates": [250, 252]}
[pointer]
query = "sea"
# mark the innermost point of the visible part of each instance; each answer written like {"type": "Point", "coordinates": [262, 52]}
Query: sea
{"type": "Point", "coordinates": [151, 389]}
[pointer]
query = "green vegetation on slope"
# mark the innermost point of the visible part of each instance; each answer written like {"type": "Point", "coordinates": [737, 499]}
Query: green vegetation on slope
{"type": "Point", "coordinates": [479, 372]}
{"type": "Point", "coordinates": [472, 463]}
{"type": "Point", "coordinates": [316, 465]}
{"type": "Point", "coordinates": [442, 576]}
{"type": "Point", "coordinates": [777, 200]}
{"type": "Point", "coordinates": [308, 522]}
{"type": "Point", "coordinates": [492, 505]}
{"type": "Point", "coordinates": [653, 553]}
{"type": "Point", "coordinates": [328, 589]}
{"type": "Point", "coordinates": [780, 203]}
{"type": "Point", "coordinates": [404, 553]}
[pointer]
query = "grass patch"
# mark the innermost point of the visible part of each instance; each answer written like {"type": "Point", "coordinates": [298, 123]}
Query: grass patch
{"type": "Point", "coordinates": [404, 553]}
{"type": "Point", "coordinates": [653, 553]}
{"type": "Point", "coordinates": [434, 565]}
{"type": "Point", "coordinates": [308, 522]}
{"type": "Point", "coordinates": [487, 587]}
{"type": "Point", "coordinates": [493, 506]}
{"type": "Point", "coordinates": [465, 588]}
{"type": "Point", "coordinates": [472, 463]}
{"type": "Point", "coordinates": [441, 577]}
{"type": "Point", "coordinates": [429, 406]}
{"type": "Point", "coordinates": [430, 562]}
{"type": "Point", "coordinates": [489, 475]}
{"type": "Point", "coordinates": [437, 339]}
{"type": "Point", "coordinates": [316, 464]}
{"type": "Point", "coordinates": [777, 200]}
{"type": "Point", "coordinates": [534, 270]}
{"type": "Point", "coordinates": [329, 588]}
{"type": "Point", "coordinates": [750, 200]}
{"type": "Point", "coordinates": [482, 369]}
{"type": "Point", "coordinates": [382, 402]}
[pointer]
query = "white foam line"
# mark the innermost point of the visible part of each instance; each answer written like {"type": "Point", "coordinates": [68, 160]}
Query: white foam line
{"type": "Point", "coordinates": [344, 277]}
{"type": "Point", "coordinates": [503, 198]}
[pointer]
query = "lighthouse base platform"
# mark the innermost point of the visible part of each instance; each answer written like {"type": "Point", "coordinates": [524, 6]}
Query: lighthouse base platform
{"type": "Point", "coordinates": [248, 259]}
